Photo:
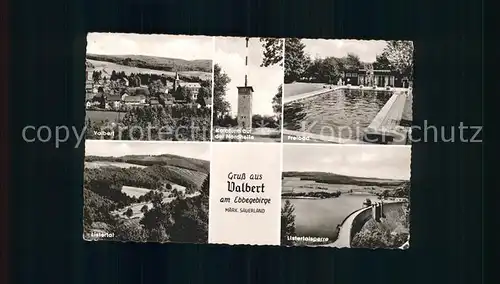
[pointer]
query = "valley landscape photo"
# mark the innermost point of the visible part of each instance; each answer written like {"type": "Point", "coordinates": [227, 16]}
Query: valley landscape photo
{"type": "Point", "coordinates": [345, 196]}
{"type": "Point", "coordinates": [146, 191]}
{"type": "Point", "coordinates": [148, 87]}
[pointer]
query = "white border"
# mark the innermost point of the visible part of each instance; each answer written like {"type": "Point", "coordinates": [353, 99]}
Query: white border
{"type": "Point", "coordinates": [211, 142]}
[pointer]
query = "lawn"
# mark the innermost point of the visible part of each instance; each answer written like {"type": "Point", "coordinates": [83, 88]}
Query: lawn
{"type": "Point", "coordinates": [108, 67]}
{"type": "Point", "coordinates": [99, 115]}
{"type": "Point", "coordinates": [294, 89]}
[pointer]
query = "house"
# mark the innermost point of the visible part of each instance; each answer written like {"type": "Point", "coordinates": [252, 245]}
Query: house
{"type": "Point", "coordinates": [89, 71]}
{"type": "Point", "coordinates": [114, 101]}
{"type": "Point", "coordinates": [154, 102]}
{"type": "Point", "coordinates": [194, 88]}
{"type": "Point", "coordinates": [138, 91]}
{"type": "Point", "coordinates": [208, 102]}
{"type": "Point", "coordinates": [89, 96]}
{"type": "Point", "coordinates": [134, 100]}
{"type": "Point", "coordinates": [125, 81]}
{"type": "Point", "coordinates": [373, 77]}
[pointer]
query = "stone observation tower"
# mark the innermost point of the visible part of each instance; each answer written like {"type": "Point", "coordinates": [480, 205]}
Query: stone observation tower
{"type": "Point", "coordinates": [245, 99]}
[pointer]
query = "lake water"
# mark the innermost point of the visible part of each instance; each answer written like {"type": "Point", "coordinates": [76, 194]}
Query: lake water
{"type": "Point", "coordinates": [320, 217]}
{"type": "Point", "coordinates": [341, 113]}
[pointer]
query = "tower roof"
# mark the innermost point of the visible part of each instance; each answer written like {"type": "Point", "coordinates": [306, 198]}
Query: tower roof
{"type": "Point", "coordinates": [246, 87]}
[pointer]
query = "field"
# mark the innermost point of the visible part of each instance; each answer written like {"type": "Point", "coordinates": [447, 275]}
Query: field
{"type": "Point", "coordinates": [156, 62]}
{"type": "Point", "coordinates": [108, 67]}
{"type": "Point", "coordinates": [331, 178]}
{"type": "Point", "coordinates": [311, 186]}
{"type": "Point", "coordinates": [136, 209]}
{"type": "Point", "coordinates": [99, 164]}
{"type": "Point", "coordinates": [97, 115]}
{"type": "Point", "coordinates": [135, 191]}
{"type": "Point", "coordinates": [195, 176]}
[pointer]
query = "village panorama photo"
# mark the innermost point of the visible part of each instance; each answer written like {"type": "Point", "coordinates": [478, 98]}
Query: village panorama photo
{"type": "Point", "coordinates": [148, 87]}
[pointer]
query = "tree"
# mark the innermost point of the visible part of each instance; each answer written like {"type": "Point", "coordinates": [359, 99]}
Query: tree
{"type": "Point", "coordinates": [220, 105]}
{"type": "Point", "coordinates": [128, 213]}
{"type": "Point", "coordinates": [205, 187]}
{"type": "Point", "coordinates": [125, 233]}
{"type": "Point", "coordinates": [273, 51]}
{"type": "Point", "coordinates": [287, 222]}
{"type": "Point", "coordinates": [203, 93]}
{"type": "Point", "coordinates": [352, 62]}
{"type": "Point", "coordinates": [381, 62]}
{"type": "Point", "coordinates": [325, 70]}
{"type": "Point", "coordinates": [277, 103]}
{"type": "Point", "coordinates": [155, 87]}
{"type": "Point", "coordinates": [400, 55]}
{"type": "Point", "coordinates": [144, 209]}
{"type": "Point", "coordinates": [367, 202]}
{"type": "Point", "coordinates": [295, 59]}
{"type": "Point", "coordinates": [168, 186]}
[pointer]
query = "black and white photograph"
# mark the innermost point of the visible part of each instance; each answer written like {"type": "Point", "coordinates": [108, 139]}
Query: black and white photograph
{"type": "Point", "coordinates": [248, 88]}
{"type": "Point", "coordinates": [346, 196]}
{"type": "Point", "coordinates": [141, 191]}
{"type": "Point", "coordinates": [148, 87]}
{"type": "Point", "coordinates": [348, 91]}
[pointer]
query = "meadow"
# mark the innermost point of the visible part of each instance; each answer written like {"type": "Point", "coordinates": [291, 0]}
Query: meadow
{"type": "Point", "coordinates": [294, 89]}
{"type": "Point", "coordinates": [108, 67]}
{"type": "Point", "coordinates": [99, 115]}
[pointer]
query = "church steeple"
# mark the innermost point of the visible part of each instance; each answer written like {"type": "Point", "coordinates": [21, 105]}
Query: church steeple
{"type": "Point", "coordinates": [176, 81]}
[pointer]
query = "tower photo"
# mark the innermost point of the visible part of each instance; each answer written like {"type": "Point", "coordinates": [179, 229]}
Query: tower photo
{"type": "Point", "coordinates": [248, 80]}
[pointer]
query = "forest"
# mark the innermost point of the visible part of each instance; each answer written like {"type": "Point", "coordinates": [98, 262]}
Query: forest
{"type": "Point", "coordinates": [171, 217]}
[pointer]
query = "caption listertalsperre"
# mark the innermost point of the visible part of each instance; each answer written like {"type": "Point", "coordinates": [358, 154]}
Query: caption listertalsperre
{"type": "Point", "coordinates": [246, 199]}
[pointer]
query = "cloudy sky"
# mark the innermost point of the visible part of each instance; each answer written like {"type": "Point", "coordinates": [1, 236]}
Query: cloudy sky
{"type": "Point", "coordinates": [172, 46]}
{"type": "Point", "coordinates": [367, 50]}
{"type": "Point", "coordinates": [197, 150]}
{"type": "Point", "coordinates": [230, 55]}
{"type": "Point", "coordinates": [388, 162]}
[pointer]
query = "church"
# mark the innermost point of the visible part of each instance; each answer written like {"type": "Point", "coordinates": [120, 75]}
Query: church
{"type": "Point", "coordinates": [194, 88]}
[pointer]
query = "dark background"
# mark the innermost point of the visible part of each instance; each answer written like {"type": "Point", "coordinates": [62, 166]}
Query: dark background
{"type": "Point", "coordinates": [46, 66]}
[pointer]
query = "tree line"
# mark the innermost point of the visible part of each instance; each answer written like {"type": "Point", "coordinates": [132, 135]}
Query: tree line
{"type": "Point", "coordinates": [177, 122]}
{"type": "Point", "coordinates": [397, 55]}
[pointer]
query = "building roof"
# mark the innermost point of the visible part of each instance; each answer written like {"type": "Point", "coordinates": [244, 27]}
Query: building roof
{"type": "Point", "coordinates": [88, 65]}
{"type": "Point", "coordinates": [89, 96]}
{"type": "Point", "coordinates": [114, 98]}
{"type": "Point", "coordinates": [133, 98]}
{"type": "Point", "coordinates": [190, 85]}
{"type": "Point", "coordinates": [138, 91]}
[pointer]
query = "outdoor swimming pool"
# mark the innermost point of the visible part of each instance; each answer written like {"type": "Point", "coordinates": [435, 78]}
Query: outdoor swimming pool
{"type": "Point", "coordinates": [340, 113]}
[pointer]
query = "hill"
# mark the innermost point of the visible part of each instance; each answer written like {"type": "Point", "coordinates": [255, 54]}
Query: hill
{"type": "Point", "coordinates": [331, 178]}
{"type": "Point", "coordinates": [155, 63]}
{"type": "Point", "coordinates": [163, 160]}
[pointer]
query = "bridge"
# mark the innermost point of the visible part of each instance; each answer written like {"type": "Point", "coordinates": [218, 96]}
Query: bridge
{"type": "Point", "coordinates": [354, 222]}
{"type": "Point", "coordinates": [384, 128]}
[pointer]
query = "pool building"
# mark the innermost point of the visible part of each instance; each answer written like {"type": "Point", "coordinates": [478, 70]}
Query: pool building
{"type": "Point", "coordinates": [375, 77]}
